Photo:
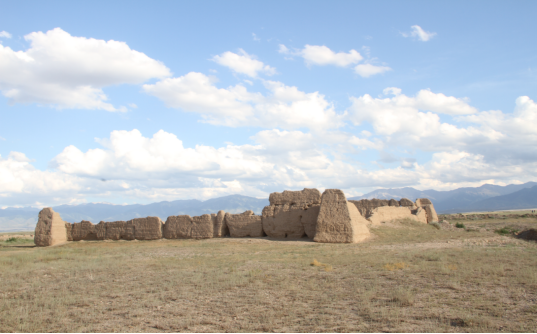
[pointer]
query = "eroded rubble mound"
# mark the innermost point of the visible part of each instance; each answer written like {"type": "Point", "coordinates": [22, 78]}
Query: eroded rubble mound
{"type": "Point", "coordinates": [291, 214]}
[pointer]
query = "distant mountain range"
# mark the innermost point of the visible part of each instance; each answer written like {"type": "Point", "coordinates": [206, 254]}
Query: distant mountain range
{"type": "Point", "coordinates": [18, 219]}
{"type": "Point", "coordinates": [485, 198]}
{"type": "Point", "coordinates": [488, 197]}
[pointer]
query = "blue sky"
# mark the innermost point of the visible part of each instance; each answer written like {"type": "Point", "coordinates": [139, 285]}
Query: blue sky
{"type": "Point", "coordinates": [136, 102]}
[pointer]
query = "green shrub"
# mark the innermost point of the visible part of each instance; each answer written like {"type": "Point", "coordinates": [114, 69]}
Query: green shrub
{"type": "Point", "coordinates": [460, 225]}
{"type": "Point", "coordinates": [12, 239]}
{"type": "Point", "coordinates": [506, 231]}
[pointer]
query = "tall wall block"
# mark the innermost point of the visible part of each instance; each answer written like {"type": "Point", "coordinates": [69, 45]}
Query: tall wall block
{"type": "Point", "coordinates": [115, 230]}
{"type": "Point", "coordinates": [202, 227]}
{"type": "Point", "coordinates": [339, 221]}
{"type": "Point", "coordinates": [283, 218]}
{"type": "Point", "coordinates": [50, 229]}
{"type": "Point", "coordinates": [283, 221]}
{"type": "Point", "coordinates": [84, 230]}
{"type": "Point", "coordinates": [149, 228]}
{"type": "Point", "coordinates": [177, 227]}
{"type": "Point", "coordinates": [220, 228]}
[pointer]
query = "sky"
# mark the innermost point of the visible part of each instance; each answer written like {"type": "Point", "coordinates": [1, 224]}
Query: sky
{"type": "Point", "coordinates": [137, 102]}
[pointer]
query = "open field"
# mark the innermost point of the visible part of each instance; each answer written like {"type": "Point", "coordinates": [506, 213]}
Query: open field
{"type": "Point", "coordinates": [20, 235]}
{"type": "Point", "coordinates": [408, 278]}
{"type": "Point", "coordinates": [502, 212]}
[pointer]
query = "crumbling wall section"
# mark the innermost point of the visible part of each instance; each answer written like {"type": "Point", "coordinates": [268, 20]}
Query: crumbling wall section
{"type": "Point", "coordinates": [427, 205]}
{"type": "Point", "coordinates": [389, 213]}
{"type": "Point", "coordinates": [85, 230]}
{"type": "Point", "coordinates": [245, 224]}
{"type": "Point", "coordinates": [177, 227]}
{"type": "Point", "coordinates": [288, 215]}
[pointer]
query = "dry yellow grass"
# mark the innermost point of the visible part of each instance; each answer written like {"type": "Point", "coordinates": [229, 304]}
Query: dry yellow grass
{"type": "Point", "coordinates": [442, 281]}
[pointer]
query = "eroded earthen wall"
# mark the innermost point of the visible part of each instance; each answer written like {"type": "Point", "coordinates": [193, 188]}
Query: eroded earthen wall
{"type": "Point", "coordinates": [244, 225]}
{"type": "Point", "coordinates": [202, 227]}
{"type": "Point", "coordinates": [291, 214]}
{"type": "Point", "coordinates": [427, 205]}
{"type": "Point", "coordinates": [339, 221]}
{"type": "Point", "coordinates": [220, 228]}
{"type": "Point", "coordinates": [50, 229]}
{"type": "Point", "coordinates": [84, 230]}
{"type": "Point", "coordinates": [309, 219]}
{"type": "Point", "coordinates": [389, 213]}
{"type": "Point", "coordinates": [115, 230]}
{"type": "Point", "coordinates": [287, 216]}
{"type": "Point", "coordinates": [177, 227]}
{"type": "Point", "coordinates": [148, 228]}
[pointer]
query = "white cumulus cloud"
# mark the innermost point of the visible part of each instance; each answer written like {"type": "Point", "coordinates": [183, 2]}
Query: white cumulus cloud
{"type": "Point", "coordinates": [419, 33]}
{"type": "Point", "coordinates": [284, 107]}
{"type": "Point", "coordinates": [367, 70]}
{"type": "Point", "coordinates": [69, 72]}
{"type": "Point", "coordinates": [321, 55]}
{"type": "Point", "coordinates": [243, 63]}
{"type": "Point", "coordinates": [5, 34]}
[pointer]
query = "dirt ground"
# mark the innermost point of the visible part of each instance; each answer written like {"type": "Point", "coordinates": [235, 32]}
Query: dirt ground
{"type": "Point", "coordinates": [408, 277]}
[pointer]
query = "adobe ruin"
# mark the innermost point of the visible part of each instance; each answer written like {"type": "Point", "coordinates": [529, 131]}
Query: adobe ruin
{"type": "Point", "coordinates": [291, 214]}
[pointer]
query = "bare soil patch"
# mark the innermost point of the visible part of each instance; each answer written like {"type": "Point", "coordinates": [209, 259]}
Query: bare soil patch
{"type": "Point", "coordinates": [409, 277]}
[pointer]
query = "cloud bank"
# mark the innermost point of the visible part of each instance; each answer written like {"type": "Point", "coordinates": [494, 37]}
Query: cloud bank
{"type": "Point", "coordinates": [69, 72]}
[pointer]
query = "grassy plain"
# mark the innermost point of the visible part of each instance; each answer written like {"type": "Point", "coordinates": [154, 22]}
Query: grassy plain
{"type": "Point", "coordinates": [408, 277]}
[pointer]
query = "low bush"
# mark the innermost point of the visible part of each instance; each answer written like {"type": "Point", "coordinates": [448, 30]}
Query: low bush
{"type": "Point", "coordinates": [506, 231]}
{"type": "Point", "coordinates": [460, 225]}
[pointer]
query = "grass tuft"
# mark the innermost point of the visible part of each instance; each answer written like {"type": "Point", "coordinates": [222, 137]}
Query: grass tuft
{"type": "Point", "coordinates": [460, 225]}
{"type": "Point", "coordinates": [395, 266]}
{"type": "Point", "coordinates": [506, 231]}
{"type": "Point", "coordinates": [326, 266]}
{"type": "Point", "coordinates": [403, 297]}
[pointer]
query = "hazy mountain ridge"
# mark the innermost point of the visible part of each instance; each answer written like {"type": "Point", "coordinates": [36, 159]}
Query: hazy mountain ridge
{"type": "Point", "coordinates": [17, 219]}
{"type": "Point", "coordinates": [458, 200]}
{"type": "Point", "coordinates": [522, 199]}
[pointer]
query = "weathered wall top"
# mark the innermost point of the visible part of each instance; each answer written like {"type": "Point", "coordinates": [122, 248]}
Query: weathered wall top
{"type": "Point", "coordinates": [306, 196]}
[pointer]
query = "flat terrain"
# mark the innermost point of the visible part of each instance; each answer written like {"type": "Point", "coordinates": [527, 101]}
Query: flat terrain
{"type": "Point", "coordinates": [408, 278]}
